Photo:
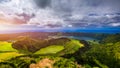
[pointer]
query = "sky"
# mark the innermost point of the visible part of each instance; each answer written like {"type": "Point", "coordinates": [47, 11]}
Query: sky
{"type": "Point", "coordinates": [37, 14]}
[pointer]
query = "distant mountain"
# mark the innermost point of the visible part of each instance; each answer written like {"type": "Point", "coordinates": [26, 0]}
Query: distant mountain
{"type": "Point", "coordinates": [49, 35]}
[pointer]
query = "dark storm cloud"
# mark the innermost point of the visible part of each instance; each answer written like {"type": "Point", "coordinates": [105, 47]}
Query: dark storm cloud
{"type": "Point", "coordinates": [53, 25]}
{"type": "Point", "coordinates": [1, 1]}
{"type": "Point", "coordinates": [43, 3]}
{"type": "Point", "coordinates": [87, 5]}
{"type": "Point", "coordinates": [113, 5]}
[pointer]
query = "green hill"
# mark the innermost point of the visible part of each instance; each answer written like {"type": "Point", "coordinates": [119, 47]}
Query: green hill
{"type": "Point", "coordinates": [61, 45]}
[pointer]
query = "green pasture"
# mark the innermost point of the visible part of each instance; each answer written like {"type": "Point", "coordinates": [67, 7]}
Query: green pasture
{"type": "Point", "coordinates": [50, 49]}
{"type": "Point", "coordinates": [6, 47]}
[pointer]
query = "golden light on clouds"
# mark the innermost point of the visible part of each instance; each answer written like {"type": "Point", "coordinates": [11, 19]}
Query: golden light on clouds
{"type": "Point", "coordinates": [3, 21]}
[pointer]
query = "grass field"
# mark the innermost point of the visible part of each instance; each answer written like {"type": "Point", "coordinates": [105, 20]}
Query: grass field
{"type": "Point", "coordinates": [50, 49]}
{"type": "Point", "coordinates": [6, 47]}
{"type": "Point", "coordinates": [8, 55]}
{"type": "Point", "coordinates": [6, 51]}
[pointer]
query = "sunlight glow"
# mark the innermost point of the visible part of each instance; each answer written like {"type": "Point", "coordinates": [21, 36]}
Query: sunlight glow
{"type": "Point", "coordinates": [3, 27]}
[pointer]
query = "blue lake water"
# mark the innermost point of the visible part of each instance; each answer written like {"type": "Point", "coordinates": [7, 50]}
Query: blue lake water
{"type": "Point", "coordinates": [75, 37]}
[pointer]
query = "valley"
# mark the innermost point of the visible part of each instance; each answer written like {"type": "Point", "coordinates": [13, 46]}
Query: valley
{"type": "Point", "coordinates": [72, 50]}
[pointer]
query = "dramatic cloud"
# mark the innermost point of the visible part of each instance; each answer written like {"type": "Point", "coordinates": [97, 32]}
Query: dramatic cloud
{"type": "Point", "coordinates": [43, 3]}
{"type": "Point", "coordinates": [61, 13]}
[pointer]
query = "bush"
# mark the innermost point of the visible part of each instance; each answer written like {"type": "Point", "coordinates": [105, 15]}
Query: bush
{"type": "Point", "coordinates": [7, 65]}
{"type": "Point", "coordinates": [26, 61]}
